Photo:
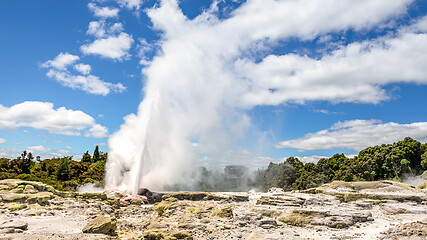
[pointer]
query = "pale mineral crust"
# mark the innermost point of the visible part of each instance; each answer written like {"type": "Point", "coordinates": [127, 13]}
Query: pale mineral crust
{"type": "Point", "coordinates": [339, 210]}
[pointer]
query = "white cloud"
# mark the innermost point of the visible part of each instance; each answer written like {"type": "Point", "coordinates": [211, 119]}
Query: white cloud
{"type": "Point", "coordinates": [103, 12]}
{"type": "Point", "coordinates": [130, 4]}
{"type": "Point", "coordinates": [83, 68]}
{"type": "Point", "coordinates": [63, 151]}
{"type": "Point", "coordinates": [42, 115]}
{"type": "Point", "coordinates": [38, 148]}
{"type": "Point", "coordinates": [89, 83]}
{"type": "Point", "coordinates": [353, 73]}
{"type": "Point", "coordinates": [97, 131]}
{"type": "Point", "coordinates": [307, 159]}
{"type": "Point", "coordinates": [68, 147]}
{"type": "Point", "coordinates": [2, 140]}
{"type": "Point", "coordinates": [143, 49]}
{"type": "Point", "coordinates": [96, 28]}
{"type": "Point", "coordinates": [357, 135]}
{"type": "Point", "coordinates": [100, 144]}
{"type": "Point", "coordinates": [101, 29]}
{"type": "Point", "coordinates": [114, 47]}
{"type": "Point", "coordinates": [10, 153]}
{"type": "Point", "coordinates": [61, 61]}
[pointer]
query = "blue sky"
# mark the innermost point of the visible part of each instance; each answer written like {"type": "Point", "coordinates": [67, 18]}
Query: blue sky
{"type": "Point", "coordinates": [283, 78]}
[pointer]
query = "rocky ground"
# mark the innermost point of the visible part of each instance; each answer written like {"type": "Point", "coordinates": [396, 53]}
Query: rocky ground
{"type": "Point", "coordinates": [340, 210]}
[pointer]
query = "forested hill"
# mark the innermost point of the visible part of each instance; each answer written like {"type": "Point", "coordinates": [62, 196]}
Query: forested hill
{"type": "Point", "coordinates": [62, 173]}
{"type": "Point", "coordinates": [391, 161]}
{"type": "Point", "coordinates": [388, 161]}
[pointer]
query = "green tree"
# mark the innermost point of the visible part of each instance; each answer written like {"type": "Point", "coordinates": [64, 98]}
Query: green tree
{"type": "Point", "coordinates": [23, 163]}
{"type": "Point", "coordinates": [4, 164]}
{"type": "Point", "coordinates": [63, 172]}
{"type": "Point", "coordinates": [86, 157]}
{"type": "Point", "coordinates": [96, 154]}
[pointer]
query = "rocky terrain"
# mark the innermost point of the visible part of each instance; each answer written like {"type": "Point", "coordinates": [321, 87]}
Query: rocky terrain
{"type": "Point", "coordinates": [339, 210]}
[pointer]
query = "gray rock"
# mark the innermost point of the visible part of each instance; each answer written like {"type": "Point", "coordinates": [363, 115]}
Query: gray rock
{"type": "Point", "coordinates": [7, 230]}
{"type": "Point", "coordinates": [15, 225]}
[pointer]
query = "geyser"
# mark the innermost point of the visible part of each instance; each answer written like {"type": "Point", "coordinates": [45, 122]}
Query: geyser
{"type": "Point", "coordinates": [209, 71]}
{"type": "Point", "coordinates": [190, 96]}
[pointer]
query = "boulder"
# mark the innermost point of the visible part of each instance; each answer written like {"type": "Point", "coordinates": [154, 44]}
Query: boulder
{"type": "Point", "coordinates": [115, 193]}
{"type": "Point", "coordinates": [14, 225]}
{"type": "Point", "coordinates": [13, 197]}
{"type": "Point", "coordinates": [152, 197]}
{"type": "Point", "coordinates": [103, 225]}
{"type": "Point", "coordinates": [133, 199]}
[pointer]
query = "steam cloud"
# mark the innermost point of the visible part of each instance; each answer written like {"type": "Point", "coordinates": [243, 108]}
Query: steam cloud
{"type": "Point", "coordinates": [196, 89]}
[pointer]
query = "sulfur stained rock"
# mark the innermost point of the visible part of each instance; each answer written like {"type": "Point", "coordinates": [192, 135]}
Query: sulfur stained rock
{"type": "Point", "coordinates": [338, 218]}
{"type": "Point", "coordinates": [222, 212]}
{"type": "Point", "coordinates": [40, 197]}
{"type": "Point", "coordinates": [103, 225]}
{"type": "Point", "coordinates": [157, 234]}
{"type": "Point", "coordinates": [280, 200]}
{"type": "Point", "coordinates": [30, 189]}
{"type": "Point", "coordinates": [16, 207]}
{"type": "Point", "coordinates": [378, 190]}
{"type": "Point", "coordinates": [413, 230]}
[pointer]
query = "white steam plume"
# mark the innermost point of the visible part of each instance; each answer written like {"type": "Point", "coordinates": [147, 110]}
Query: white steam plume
{"type": "Point", "coordinates": [194, 91]}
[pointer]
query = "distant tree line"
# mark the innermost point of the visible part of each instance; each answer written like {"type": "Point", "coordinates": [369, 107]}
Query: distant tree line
{"type": "Point", "coordinates": [63, 173]}
{"type": "Point", "coordinates": [388, 161]}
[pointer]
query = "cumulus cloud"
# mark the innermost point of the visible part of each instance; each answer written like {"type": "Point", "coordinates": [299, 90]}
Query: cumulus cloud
{"type": "Point", "coordinates": [38, 148]}
{"type": "Point", "coordinates": [97, 131]}
{"type": "Point", "coordinates": [2, 140]}
{"type": "Point", "coordinates": [83, 68]}
{"type": "Point", "coordinates": [130, 4]}
{"type": "Point", "coordinates": [103, 12]}
{"type": "Point", "coordinates": [114, 47]}
{"type": "Point", "coordinates": [62, 151]}
{"type": "Point", "coordinates": [61, 62]}
{"type": "Point", "coordinates": [102, 29]}
{"type": "Point", "coordinates": [357, 135]}
{"type": "Point", "coordinates": [353, 73]}
{"type": "Point", "coordinates": [42, 115]}
{"type": "Point", "coordinates": [88, 83]}
{"type": "Point", "coordinates": [96, 28]}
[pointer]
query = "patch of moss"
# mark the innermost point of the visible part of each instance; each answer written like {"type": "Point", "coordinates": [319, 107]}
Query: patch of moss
{"type": "Point", "coordinates": [301, 217]}
{"type": "Point", "coordinates": [17, 206]}
{"type": "Point", "coordinates": [169, 203]}
{"type": "Point", "coordinates": [267, 213]}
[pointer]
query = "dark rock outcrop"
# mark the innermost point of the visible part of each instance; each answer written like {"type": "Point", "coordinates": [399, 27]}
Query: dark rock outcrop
{"type": "Point", "coordinates": [152, 197]}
